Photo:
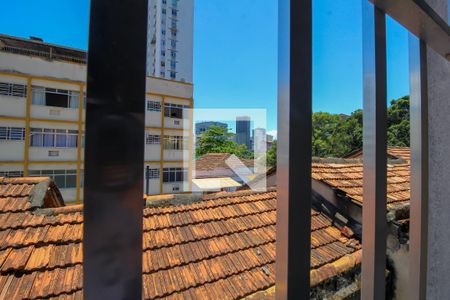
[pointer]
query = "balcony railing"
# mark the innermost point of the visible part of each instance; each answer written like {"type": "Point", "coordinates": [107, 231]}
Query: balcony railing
{"type": "Point", "coordinates": [116, 89]}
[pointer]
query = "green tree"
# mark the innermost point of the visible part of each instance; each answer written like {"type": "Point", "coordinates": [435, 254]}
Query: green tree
{"type": "Point", "coordinates": [336, 135]}
{"type": "Point", "coordinates": [271, 156]}
{"type": "Point", "coordinates": [217, 139]}
{"type": "Point", "coordinates": [398, 122]}
{"type": "Point", "coordinates": [329, 137]}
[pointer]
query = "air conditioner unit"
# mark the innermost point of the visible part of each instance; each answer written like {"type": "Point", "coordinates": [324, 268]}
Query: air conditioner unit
{"type": "Point", "coordinates": [176, 122]}
{"type": "Point", "coordinates": [54, 112]}
{"type": "Point", "coordinates": [53, 153]}
{"type": "Point", "coordinates": [175, 188]}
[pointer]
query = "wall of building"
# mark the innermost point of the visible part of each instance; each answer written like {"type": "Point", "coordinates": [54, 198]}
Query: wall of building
{"type": "Point", "coordinates": [439, 169]}
{"type": "Point", "coordinates": [39, 67]}
{"type": "Point", "coordinates": [19, 155]}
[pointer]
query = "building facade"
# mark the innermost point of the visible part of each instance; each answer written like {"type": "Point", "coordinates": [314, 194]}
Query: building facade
{"type": "Point", "coordinates": [243, 131]}
{"type": "Point", "coordinates": [259, 141]}
{"type": "Point", "coordinates": [42, 116]}
{"type": "Point", "coordinates": [170, 39]}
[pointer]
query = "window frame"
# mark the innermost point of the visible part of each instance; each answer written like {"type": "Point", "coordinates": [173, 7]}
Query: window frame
{"type": "Point", "coordinates": [13, 89]}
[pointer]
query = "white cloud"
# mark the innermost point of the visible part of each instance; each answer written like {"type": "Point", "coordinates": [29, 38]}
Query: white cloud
{"type": "Point", "coordinates": [273, 133]}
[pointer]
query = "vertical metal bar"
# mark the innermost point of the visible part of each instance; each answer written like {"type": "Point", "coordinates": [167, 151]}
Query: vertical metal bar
{"type": "Point", "coordinates": [294, 151]}
{"type": "Point", "coordinates": [115, 150]}
{"type": "Point", "coordinates": [374, 153]}
{"type": "Point", "coordinates": [418, 236]}
{"type": "Point", "coordinates": [147, 179]}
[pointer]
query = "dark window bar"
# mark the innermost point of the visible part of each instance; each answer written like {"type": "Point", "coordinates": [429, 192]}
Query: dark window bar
{"type": "Point", "coordinates": [113, 200]}
{"type": "Point", "coordinates": [374, 153]}
{"type": "Point", "coordinates": [294, 152]}
{"type": "Point", "coordinates": [418, 237]}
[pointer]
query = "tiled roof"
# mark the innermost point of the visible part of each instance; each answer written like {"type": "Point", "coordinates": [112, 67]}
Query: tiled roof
{"type": "Point", "coordinates": [219, 248]}
{"type": "Point", "coordinates": [348, 179]}
{"type": "Point", "coordinates": [214, 165]}
{"type": "Point", "coordinates": [400, 152]}
{"type": "Point", "coordinates": [393, 152]}
{"type": "Point", "coordinates": [21, 194]}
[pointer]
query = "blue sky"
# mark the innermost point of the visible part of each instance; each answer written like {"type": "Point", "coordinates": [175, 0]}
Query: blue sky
{"type": "Point", "coordinates": [235, 52]}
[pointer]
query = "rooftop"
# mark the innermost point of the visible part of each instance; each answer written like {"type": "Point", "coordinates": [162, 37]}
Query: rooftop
{"type": "Point", "coordinates": [347, 180]}
{"type": "Point", "coordinates": [393, 153]}
{"type": "Point", "coordinates": [214, 165]}
{"type": "Point", "coordinates": [37, 47]}
{"type": "Point", "coordinates": [221, 247]}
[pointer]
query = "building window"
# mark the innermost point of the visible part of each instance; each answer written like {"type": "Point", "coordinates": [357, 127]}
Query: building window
{"type": "Point", "coordinates": [153, 106]}
{"type": "Point", "coordinates": [174, 175]}
{"type": "Point", "coordinates": [11, 174]}
{"type": "Point", "coordinates": [152, 174]}
{"type": "Point", "coordinates": [173, 43]}
{"type": "Point", "coordinates": [54, 138]}
{"type": "Point", "coordinates": [173, 54]}
{"type": "Point", "coordinates": [163, 53]}
{"type": "Point", "coordinates": [174, 110]}
{"type": "Point", "coordinates": [175, 142]}
{"type": "Point", "coordinates": [64, 179]}
{"type": "Point", "coordinates": [163, 11]}
{"type": "Point", "coordinates": [12, 133]}
{"type": "Point", "coordinates": [152, 139]}
{"type": "Point", "coordinates": [173, 64]}
{"type": "Point", "coordinates": [55, 97]}
{"type": "Point", "coordinates": [163, 64]}
{"type": "Point", "coordinates": [174, 12]}
{"type": "Point", "coordinates": [173, 75]}
{"type": "Point", "coordinates": [12, 89]}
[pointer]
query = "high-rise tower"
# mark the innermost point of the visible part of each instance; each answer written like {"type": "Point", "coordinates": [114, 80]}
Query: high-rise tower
{"type": "Point", "coordinates": [243, 131]}
{"type": "Point", "coordinates": [170, 39]}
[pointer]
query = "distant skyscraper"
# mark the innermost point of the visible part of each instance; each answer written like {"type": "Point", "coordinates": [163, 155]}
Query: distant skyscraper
{"type": "Point", "coordinates": [170, 39]}
{"type": "Point", "coordinates": [243, 131]}
{"type": "Point", "coordinates": [259, 140]}
{"type": "Point", "coordinates": [201, 127]}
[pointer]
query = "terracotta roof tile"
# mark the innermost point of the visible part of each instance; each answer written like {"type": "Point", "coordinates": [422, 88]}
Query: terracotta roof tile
{"type": "Point", "coordinates": [393, 152]}
{"type": "Point", "coordinates": [348, 179]}
{"type": "Point", "coordinates": [219, 248]}
{"type": "Point", "coordinates": [213, 165]}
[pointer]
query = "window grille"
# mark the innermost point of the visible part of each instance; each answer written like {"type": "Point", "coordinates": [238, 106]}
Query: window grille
{"type": "Point", "coordinates": [174, 175]}
{"type": "Point", "coordinates": [64, 179]}
{"type": "Point", "coordinates": [11, 174]}
{"type": "Point", "coordinates": [152, 174]}
{"type": "Point", "coordinates": [174, 110]}
{"type": "Point", "coordinates": [12, 133]}
{"type": "Point", "coordinates": [49, 138]}
{"type": "Point", "coordinates": [12, 89]}
{"type": "Point", "coordinates": [152, 139]}
{"type": "Point", "coordinates": [175, 142]}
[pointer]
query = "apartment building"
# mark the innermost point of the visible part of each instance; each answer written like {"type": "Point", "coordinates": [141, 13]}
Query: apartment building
{"type": "Point", "coordinates": [170, 39]}
{"type": "Point", "coordinates": [42, 119]}
{"type": "Point", "coordinates": [259, 141]}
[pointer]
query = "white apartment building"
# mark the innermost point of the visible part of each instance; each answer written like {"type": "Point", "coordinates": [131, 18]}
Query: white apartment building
{"type": "Point", "coordinates": [259, 141]}
{"type": "Point", "coordinates": [170, 39]}
{"type": "Point", "coordinates": [42, 118]}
